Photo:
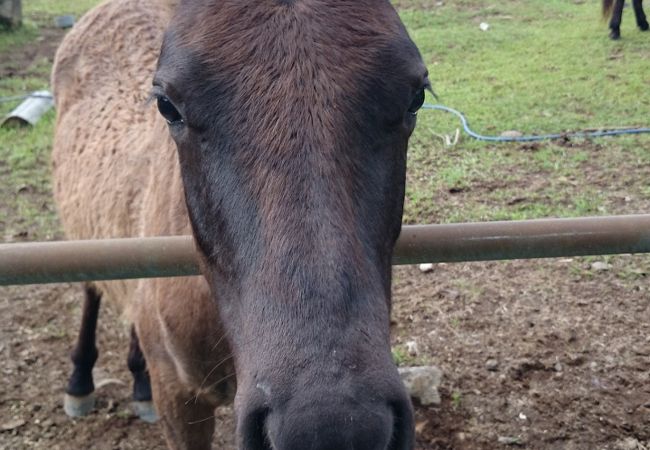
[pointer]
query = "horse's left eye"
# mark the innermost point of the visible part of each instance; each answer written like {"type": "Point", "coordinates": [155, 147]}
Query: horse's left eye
{"type": "Point", "coordinates": [417, 102]}
{"type": "Point", "coordinates": [169, 111]}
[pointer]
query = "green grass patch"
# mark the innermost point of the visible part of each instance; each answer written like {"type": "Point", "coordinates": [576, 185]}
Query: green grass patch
{"type": "Point", "coordinates": [25, 188]}
{"type": "Point", "coordinates": [12, 38]}
{"type": "Point", "coordinates": [26, 210]}
{"type": "Point", "coordinates": [57, 7]}
{"type": "Point", "coordinates": [542, 67]}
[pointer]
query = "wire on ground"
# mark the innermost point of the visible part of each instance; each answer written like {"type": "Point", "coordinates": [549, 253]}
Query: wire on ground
{"type": "Point", "coordinates": [534, 138]}
{"type": "Point", "coordinates": [15, 98]}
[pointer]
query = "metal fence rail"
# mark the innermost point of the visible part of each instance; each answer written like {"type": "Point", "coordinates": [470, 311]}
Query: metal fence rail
{"type": "Point", "coordinates": [65, 261]}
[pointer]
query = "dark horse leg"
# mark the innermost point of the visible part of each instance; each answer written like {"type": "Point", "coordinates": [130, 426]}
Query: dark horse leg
{"type": "Point", "coordinates": [79, 398]}
{"type": "Point", "coordinates": [641, 20]}
{"type": "Point", "coordinates": [617, 17]}
{"type": "Point", "coordinates": [142, 399]}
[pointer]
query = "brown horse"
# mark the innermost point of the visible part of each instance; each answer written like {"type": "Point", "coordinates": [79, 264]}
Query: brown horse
{"type": "Point", "coordinates": [614, 9]}
{"type": "Point", "coordinates": [282, 149]}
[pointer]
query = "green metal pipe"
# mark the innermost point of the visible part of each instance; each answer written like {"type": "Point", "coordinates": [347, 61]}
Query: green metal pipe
{"type": "Point", "coordinates": [111, 259]}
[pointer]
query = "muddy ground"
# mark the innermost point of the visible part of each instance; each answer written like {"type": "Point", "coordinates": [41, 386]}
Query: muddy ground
{"type": "Point", "coordinates": [571, 350]}
{"type": "Point", "coordinates": [551, 354]}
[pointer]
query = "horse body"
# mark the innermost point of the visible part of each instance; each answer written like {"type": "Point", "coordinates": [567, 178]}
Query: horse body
{"type": "Point", "coordinates": [105, 80]}
{"type": "Point", "coordinates": [284, 155]}
{"type": "Point", "coordinates": [116, 174]}
{"type": "Point", "coordinates": [614, 9]}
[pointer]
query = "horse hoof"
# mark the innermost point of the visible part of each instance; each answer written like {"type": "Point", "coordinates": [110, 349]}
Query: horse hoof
{"type": "Point", "coordinates": [644, 26]}
{"type": "Point", "coordinates": [78, 406]}
{"type": "Point", "coordinates": [614, 36]}
{"type": "Point", "coordinates": [145, 411]}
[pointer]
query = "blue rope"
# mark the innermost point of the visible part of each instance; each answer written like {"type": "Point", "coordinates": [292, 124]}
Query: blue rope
{"type": "Point", "coordinates": [542, 137]}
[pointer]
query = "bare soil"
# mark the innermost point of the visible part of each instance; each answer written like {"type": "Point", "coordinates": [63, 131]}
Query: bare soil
{"type": "Point", "coordinates": [17, 63]}
{"type": "Point", "coordinates": [568, 349]}
{"type": "Point", "coordinates": [572, 354]}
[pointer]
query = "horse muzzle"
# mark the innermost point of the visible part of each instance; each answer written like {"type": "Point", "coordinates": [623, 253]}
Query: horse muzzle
{"type": "Point", "coordinates": [333, 418]}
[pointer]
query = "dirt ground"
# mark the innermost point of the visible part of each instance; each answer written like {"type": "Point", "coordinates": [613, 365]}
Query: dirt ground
{"type": "Point", "coordinates": [549, 354]}
{"type": "Point", "coordinates": [570, 361]}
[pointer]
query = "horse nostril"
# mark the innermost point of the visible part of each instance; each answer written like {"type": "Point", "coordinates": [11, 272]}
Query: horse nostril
{"type": "Point", "coordinates": [340, 425]}
{"type": "Point", "coordinates": [253, 431]}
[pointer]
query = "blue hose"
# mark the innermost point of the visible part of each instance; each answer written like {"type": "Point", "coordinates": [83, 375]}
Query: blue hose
{"type": "Point", "coordinates": [542, 137]}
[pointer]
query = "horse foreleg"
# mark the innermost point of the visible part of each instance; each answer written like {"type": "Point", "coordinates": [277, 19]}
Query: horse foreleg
{"type": "Point", "coordinates": [142, 399]}
{"type": "Point", "coordinates": [79, 399]}
{"type": "Point", "coordinates": [615, 22]}
{"type": "Point", "coordinates": [641, 20]}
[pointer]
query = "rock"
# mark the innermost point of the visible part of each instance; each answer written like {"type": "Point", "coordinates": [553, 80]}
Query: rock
{"type": "Point", "coordinates": [412, 348]}
{"type": "Point", "coordinates": [484, 26]}
{"type": "Point", "coordinates": [629, 444]}
{"type": "Point", "coordinates": [12, 424]}
{"type": "Point", "coordinates": [426, 268]}
{"type": "Point", "coordinates": [492, 365]}
{"type": "Point", "coordinates": [109, 382]}
{"type": "Point", "coordinates": [512, 134]}
{"type": "Point", "coordinates": [422, 383]}
{"type": "Point", "coordinates": [600, 266]}
{"type": "Point", "coordinates": [451, 294]}
{"type": "Point", "coordinates": [420, 426]}
{"type": "Point", "coordinates": [510, 440]}
{"type": "Point", "coordinates": [66, 21]}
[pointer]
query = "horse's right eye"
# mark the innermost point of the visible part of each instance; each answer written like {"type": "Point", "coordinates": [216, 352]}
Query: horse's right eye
{"type": "Point", "coordinates": [417, 102]}
{"type": "Point", "coordinates": [169, 111]}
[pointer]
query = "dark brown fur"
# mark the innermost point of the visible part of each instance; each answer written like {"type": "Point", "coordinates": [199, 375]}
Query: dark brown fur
{"type": "Point", "coordinates": [291, 121]}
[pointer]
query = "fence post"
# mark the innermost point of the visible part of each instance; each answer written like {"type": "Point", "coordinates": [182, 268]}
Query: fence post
{"type": "Point", "coordinates": [11, 13]}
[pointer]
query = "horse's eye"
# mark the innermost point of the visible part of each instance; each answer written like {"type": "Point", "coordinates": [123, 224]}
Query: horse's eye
{"type": "Point", "coordinates": [417, 102]}
{"type": "Point", "coordinates": [169, 111]}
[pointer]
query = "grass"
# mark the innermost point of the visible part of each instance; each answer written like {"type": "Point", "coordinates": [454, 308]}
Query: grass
{"type": "Point", "coordinates": [456, 399]}
{"type": "Point", "coordinates": [541, 67]}
{"type": "Point", "coordinates": [50, 8]}
{"type": "Point", "coordinates": [11, 39]}
{"type": "Point", "coordinates": [38, 13]}
{"type": "Point", "coordinates": [26, 210]}
{"type": "Point", "coordinates": [25, 186]}
{"type": "Point", "coordinates": [400, 356]}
